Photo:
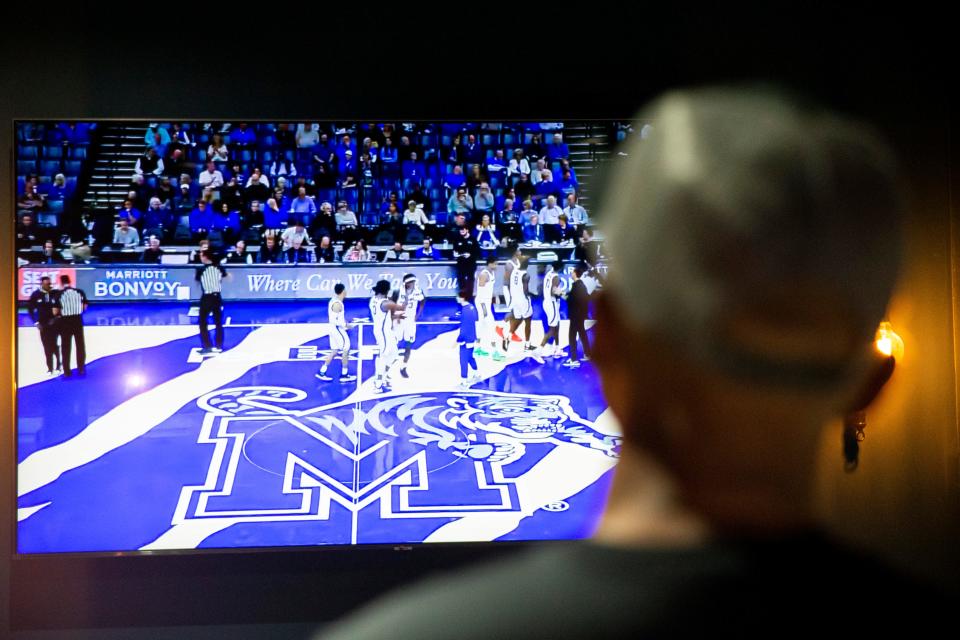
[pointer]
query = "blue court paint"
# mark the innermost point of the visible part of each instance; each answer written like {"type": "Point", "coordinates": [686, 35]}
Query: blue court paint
{"type": "Point", "coordinates": [249, 468]}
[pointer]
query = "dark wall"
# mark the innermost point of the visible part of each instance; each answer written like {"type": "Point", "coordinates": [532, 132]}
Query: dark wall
{"type": "Point", "coordinates": [555, 64]}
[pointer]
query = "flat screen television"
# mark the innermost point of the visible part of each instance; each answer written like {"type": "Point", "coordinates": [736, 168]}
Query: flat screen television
{"type": "Point", "coordinates": [327, 411]}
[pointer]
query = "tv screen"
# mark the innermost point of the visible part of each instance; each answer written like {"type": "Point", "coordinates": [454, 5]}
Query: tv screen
{"type": "Point", "coordinates": [269, 334]}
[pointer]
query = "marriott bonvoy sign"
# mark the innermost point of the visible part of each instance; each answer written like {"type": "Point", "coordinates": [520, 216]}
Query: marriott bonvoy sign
{"type": "Point", "coordinates": [246, 282]}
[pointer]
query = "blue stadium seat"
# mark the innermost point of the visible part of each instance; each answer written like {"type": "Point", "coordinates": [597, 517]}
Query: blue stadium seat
{"type": "Point", "coordinates": [52, 136]}
{"type": "Point", "coordinates": [201, 155]}
{"type": "Point", "coordinates": [327, 195]}
{"type": "Point", "coordinates": [267, 142]}
{"type": "Point", "coordinates": [429, 140]}
{"type": "Point", "coordinates": [72, 167]}
{"type": "Point", "coordinates": [21, 184]}
{"type": "Point", "coordinates": [246, 155]}
{"type": "Point", "coordinates": [434, 194]}
{"type": "Point", "coordinates": [55, 206]}
{"type": "Point", "coordinates": [440, 211]}
{"type": "Point", "coordinates": [47, 218]}
{"type": "Point", "coordinates": [27, 151]}
{"type": "Point", "coordinates": [26, 166]}
{"type": "Point", "coordinates": [489, 154]}
{"type": "Point", "coordinates": [496, 182]}
{"type": "Point", "coordinates": [288, 154]}
{"type": "Point", "coordinates": [52, 151]}
{"type": "Point", "coordinates": [350, 195]}
{"type": "Point", "coordinates": [78, 153]}
{"type": "Point", "coordinates": [71, 184]}
{"type": "Point", "coordinates": [446, 140]}
{"type": "Point", "coordinates": [369, 219]}
{"type": "Point", "coordinates": [509, 139]}
{"type": "Point", "coordinates": [49, 167]}
{"type": "Point", "coordinates": [267, 157]}
{"type": "Point", "coordinates": [490, 139]}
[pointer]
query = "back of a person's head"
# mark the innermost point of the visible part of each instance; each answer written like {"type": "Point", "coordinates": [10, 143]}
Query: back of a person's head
{"type": "Point", "coordinates": [755, 234]}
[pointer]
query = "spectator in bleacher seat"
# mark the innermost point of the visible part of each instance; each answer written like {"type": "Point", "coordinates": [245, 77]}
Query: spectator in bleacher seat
{"type": "Point", "coordinates": [533, 230]}
{"type": "Point", "coordinates": [282, 168]}
{"type": "Point", "coordinates": [257, 178]}
{"type": "Point", "coordinates": [149, 163]}
{"type": "Point", "coordinates": [324, 251]}
{"type": "Point", "coordinates": [476, 177]}
{"type": "Point", "coordinates": [459, 224]}
{"type": "Point", "coordinates": [567, 185]}
{"type": "Point", "coordinates": [49, 254]}
{"type": "Point", "coordinates": [345, 217]}
{"type": "Point", "coordinates": [576, 214]}
{"type": "Point", "coordinates": [509, 222]}
{"type": "Point", "coordinates": [393, 224]}
{"type": "Point", "coordinates": [486, 234]}
{"type": "Point", "coordinates": [393, 198]}
{"type": "Point", "coordinates": [413, 169]}
{"type": "Point", "coordinates": [153, 254]}
{"type": "Point", "coordinates": [226, 220]}
{"type": "Point", "coordinates": [239, 254]}
{"type": "Point", "coordinates": [406, 147]}
{"type": "Point", "coordinates": [323, 224]}
{"type": "Point", "coordinates": [280, 197]}
{"type": "Point", "coordinates": [566, 166]}
{"type": "Point", "coordinates": [269, 251]}
{"type": "Point", "coordinates": [296, 231]}
{"type": "Point", "coordinates": [175, 163]}
{"type": "Point", "coordinates": [129, 212]}
{"type": "Point", "coordinates": [346, 144]}
{"type": "Point", "coordinates": [307, 137]}
{"type": "Point", "coordinates": [563, 231]}
{"type": "Point", "coordinates": [550, 213]}
{"type": "Point", "coordinates": [166, 193]}
{"type": "Point", "coordinates": [358, 252]}
{"type": "Point", "coordinates": [210, 177]}
{"type": "Point", "coordinates": [347, 170]}
{"type": "Point", "coordinates": [519, 165]}
{"type": "Point", "coordinates": [217, 150]}
{"type": "Point", "coordinates": [235, 170]}
{"type": "Point", "coordinates": [366, 172]}
{"type": "Point", "coordinates": [253, 216]}
{"type": "Point", "coordinates": [31, 184]}
{"type": "Point", "coordinates": [502, 196]}
{"type": "Point", "coordinates": [484, 201]}
{"type": "Point", "coordinates": [455, 179]}
{"type": "Point", "coordinates": [372, 149]}
{"type": "Point", "coordinates": [557, 149]}
{"type": "Point", "coordinates": [324, 177]}
{"type": "Point", "coordinates": [75, 134]}
{"type": "Point", "coordinates": [232, 194]}
{"type": "Point", "coordinates": [125, 234]}
{"type": "Point", "coordinates": [31, 200]}
{"type": "Point", "coordinates": [156, 138]}
{"type": "Point", "coordinates": [303, 207]}
{"type": "Point", "coordinates": [200, 219]}
{"type": "Point", "coordinates": [390, 159]}
{"type": "Point", "coordinates": [286, 136]}
{"type": "Point", "coordinates": [27, 233]}
{"type": "Point", "coordinates": [189, 189]}
{"type": "Point", "coordinates": [303, 182]}
{"type": "Point", "coordinates": [460, 202]}
{"type": "Point", "coordinates": [587, 251]}
{"type": "Point", "coordinates": [138, 192]}
{"type": "Point", "coordinates": [527, 212]}
{"type": "Point", "coordinates": [427, 252]}
{"type": "Point", "coordinates": [536, 176]}
{"type": "Point", "coordinates": [524, 188]}
{"type": "Point", "coordinates": [157, 220]}
{"type": "Point", "coordinates": [396, 253]}
{"type": "Point", "coordinates": [58, 189]}
{"type": "Point", "coordinates": [242, 137]}
{"type": "Point", "coordinates": [547, 187]}
{"type": "Point", "coordinates": [181, 138]}
{"type": "Point", "coordinates": [454, 153]}
{"type": "Point", "coordinates": [417, 195]}
{"type": "Point", "coordinates": [414, 215]}
{"type": "Point", "coordinates": [257, 187]}
{"type": "Point", "coordinates": [472, 150]}
{"type": "Point", "coordinates": [203, 245]}
{"type": "Point", "coordinates": [497, 165]}
{"type": "Point", "coordinates": [536, 149]}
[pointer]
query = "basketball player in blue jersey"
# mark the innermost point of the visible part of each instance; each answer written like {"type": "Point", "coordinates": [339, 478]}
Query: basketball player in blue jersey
{"type": "Point", "coordinates": [413, 301]}
{"type": "Point", "coordinates": [484, 304]}
{"type": "Point", "coordinates": [339, 338]}
{"type": "Point", "coordinates": [382, 312]}
{"type": "Point", "coordinates": [552, 288]}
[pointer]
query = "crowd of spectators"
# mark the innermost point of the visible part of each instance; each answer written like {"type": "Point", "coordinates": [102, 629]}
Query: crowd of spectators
{"type": "Point", "coordinates": [376, 183]}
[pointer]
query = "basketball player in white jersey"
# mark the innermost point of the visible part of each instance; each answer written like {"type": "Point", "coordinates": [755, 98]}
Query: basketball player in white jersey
{"type": "Point", "coordinates": [339, 339]}
{"type": "Point", "coordinates": [521, 307]}
{"type": "Point", "coordinates": [512, 265]}
{"type": "Point", "coordinates": [382, 311]}
{"type": "Point", "coordinates": [551, 309]}
{"type": "Point", "coordinates": [484, 303]}
{"type": "Point", "coordinates": [412, 300]}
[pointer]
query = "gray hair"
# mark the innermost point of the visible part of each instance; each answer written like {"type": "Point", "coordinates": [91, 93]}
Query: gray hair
{"type": "Point", "coordinates": [760, 237]}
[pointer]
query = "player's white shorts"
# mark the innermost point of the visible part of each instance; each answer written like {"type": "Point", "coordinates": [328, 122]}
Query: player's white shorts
{"type": "Point", "coordinates": [521, 308]}
{"type": "Point", "coordinates": [406, 330]}
{"type": "Point", "coordinates": [551, 311]}
{"type": "Point", "coordinates": [387, 345]}
{"type": "Point", "coordinates": [339, 339]}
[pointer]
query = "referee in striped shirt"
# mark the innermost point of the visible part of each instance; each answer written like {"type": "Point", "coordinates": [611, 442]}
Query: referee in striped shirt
{"type": "Point", "coordinates": [210, 276]}
{"type": "Point", "coordinates": [70, 305]}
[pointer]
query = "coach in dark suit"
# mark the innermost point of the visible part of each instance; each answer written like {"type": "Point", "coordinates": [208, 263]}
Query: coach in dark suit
{"type": "Point", "coordinates": [578, 302]}
{"type": "Point", "coordinates": [40, 306]}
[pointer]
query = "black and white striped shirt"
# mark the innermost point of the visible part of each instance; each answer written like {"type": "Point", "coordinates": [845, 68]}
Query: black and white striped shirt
{"type": "Point", "coordinates": [211, 278]}
{"type": "Point", "coordinates": [71, 302]}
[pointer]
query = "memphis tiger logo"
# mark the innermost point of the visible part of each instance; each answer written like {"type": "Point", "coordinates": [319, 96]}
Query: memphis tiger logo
{"type": "Point", "coordinates": [398, 450]}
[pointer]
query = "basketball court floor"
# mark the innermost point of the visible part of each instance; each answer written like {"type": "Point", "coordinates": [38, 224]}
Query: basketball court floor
{"type": "Point", "coordinates": [158, 447]}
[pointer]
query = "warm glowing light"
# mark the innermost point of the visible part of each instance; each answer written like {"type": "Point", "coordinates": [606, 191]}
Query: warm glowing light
{"type": "Point", "coordinates": [888, 342]}
{"type": "Point", "coordinates": [135, 380]}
